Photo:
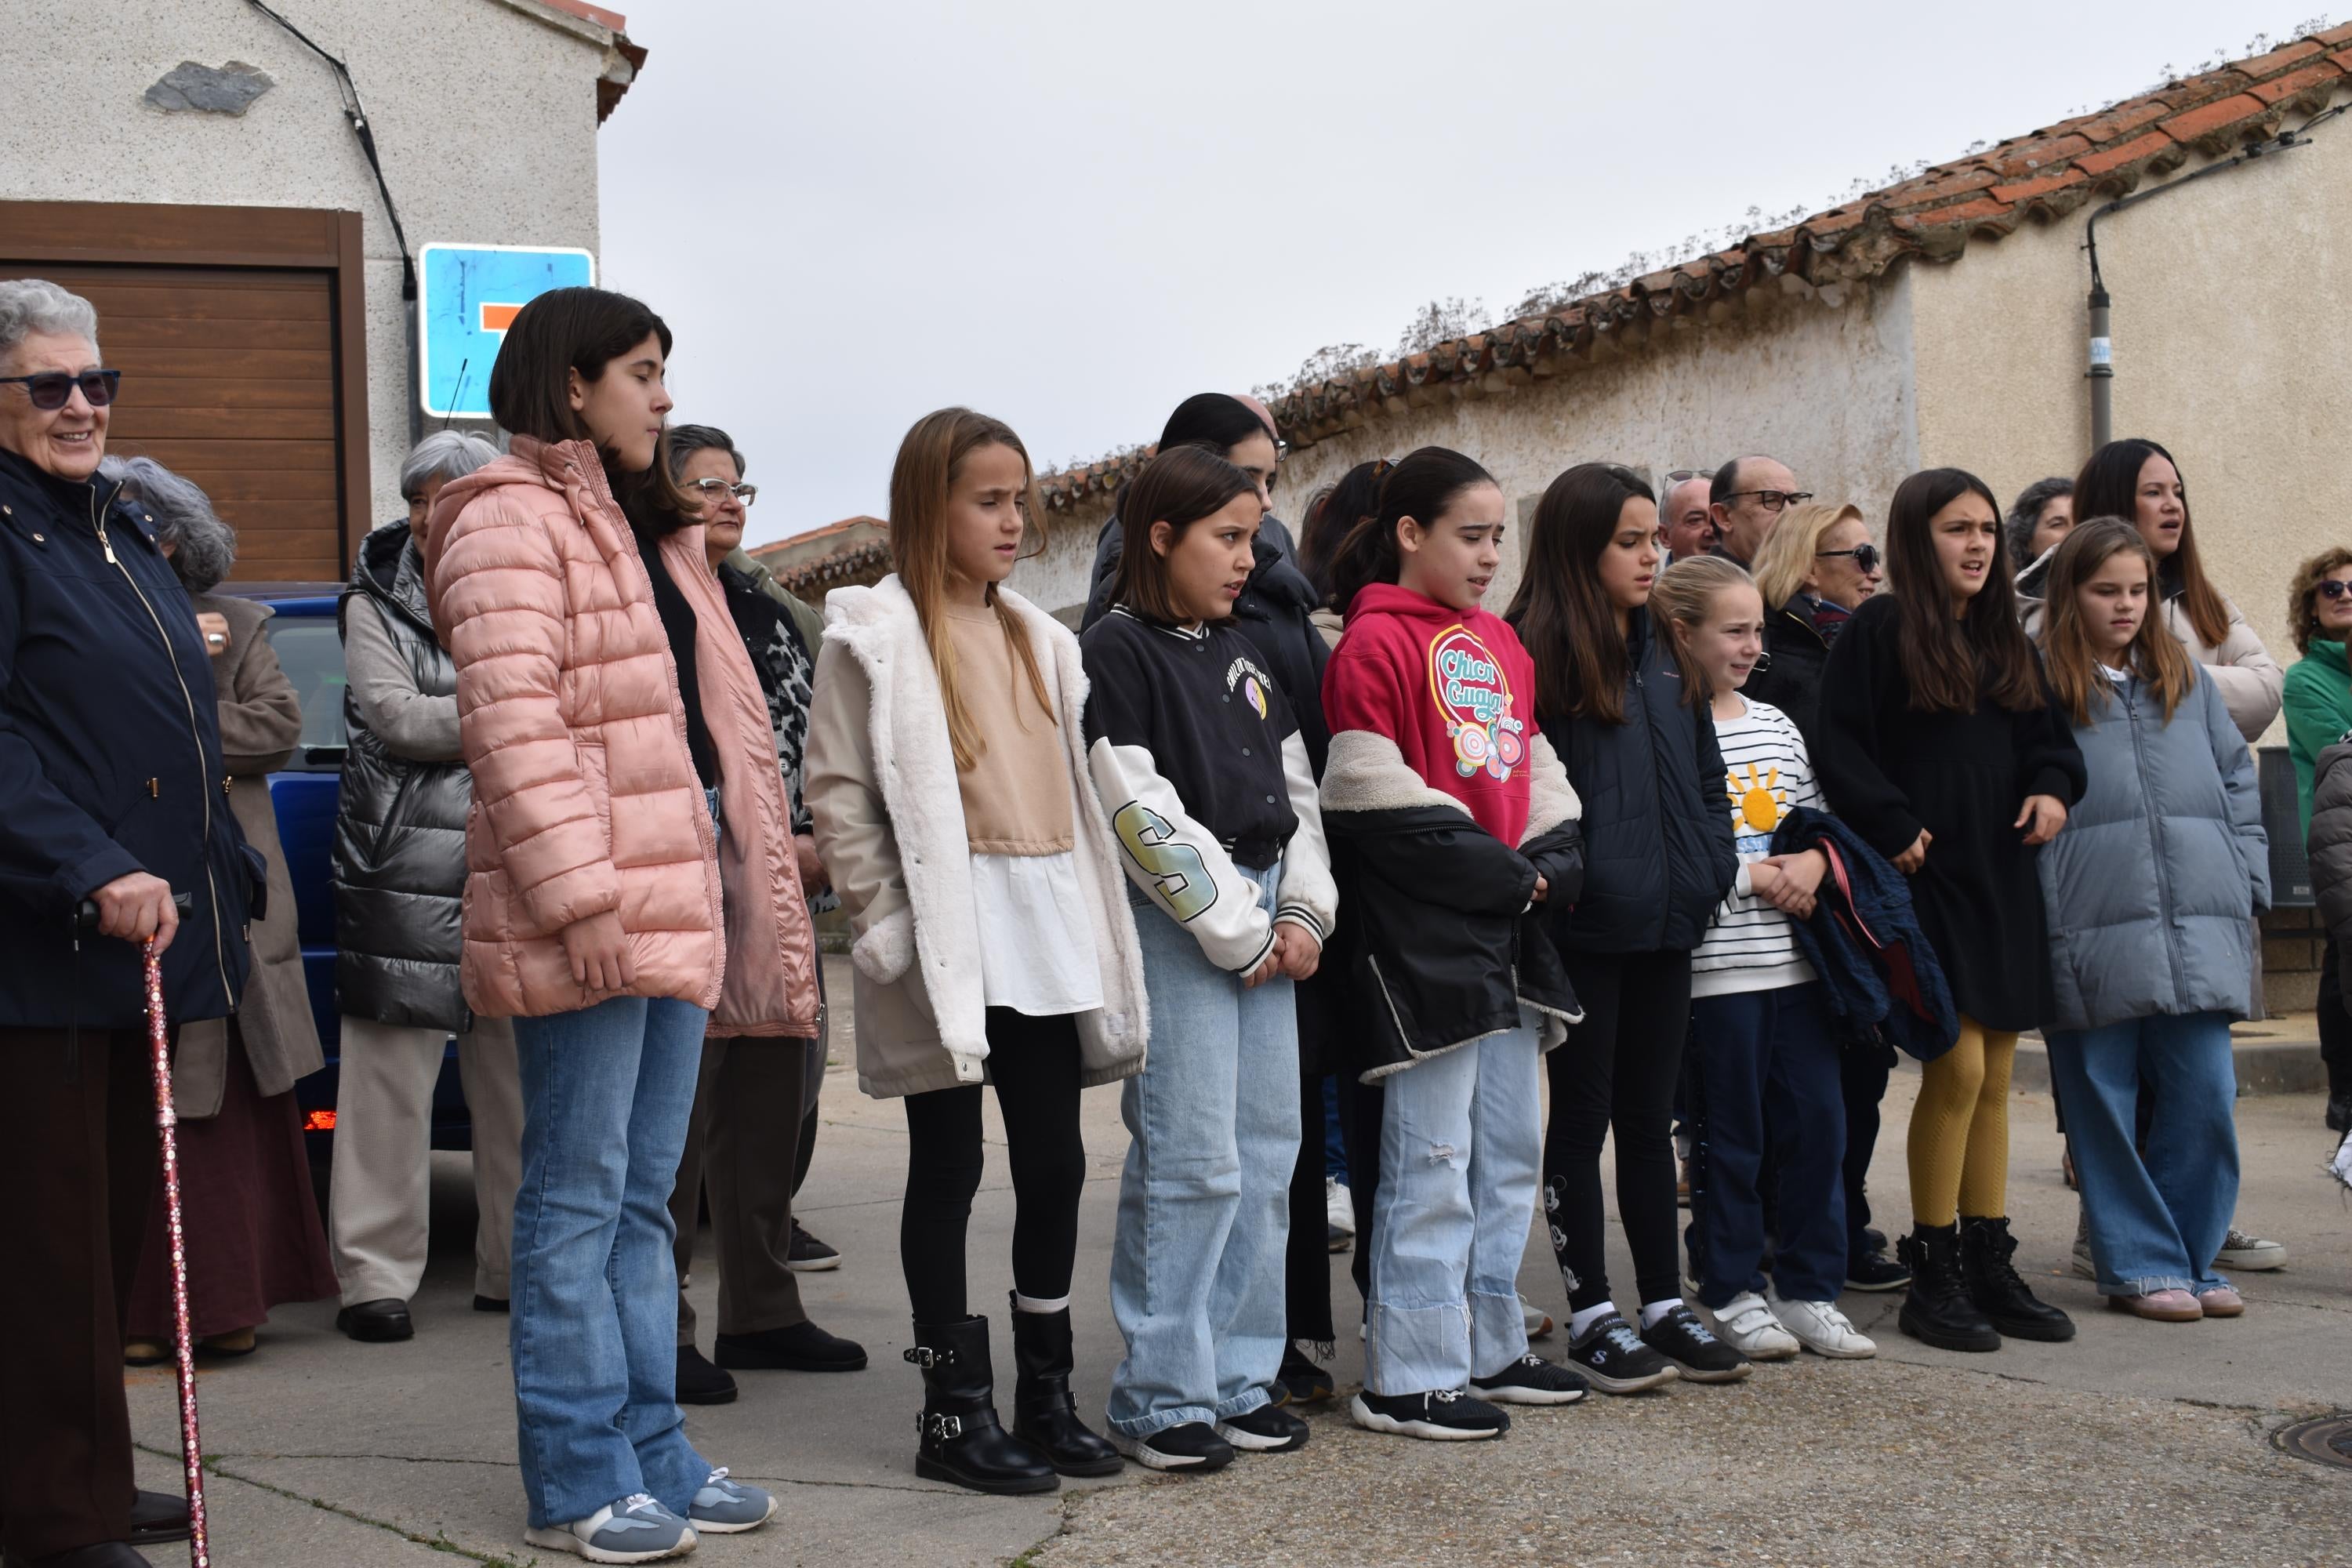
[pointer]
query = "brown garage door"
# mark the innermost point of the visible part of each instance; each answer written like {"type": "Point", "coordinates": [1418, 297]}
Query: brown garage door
{"type": "Point", "coordinates": [228, 377]}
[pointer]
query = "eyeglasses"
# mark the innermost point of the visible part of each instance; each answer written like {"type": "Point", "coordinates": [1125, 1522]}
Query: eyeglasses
{"type": "Point", "coordinates": [1679, 474]}
{"type": "Point", "coordinates": [1773, 500]}
{"type": "Point", "coordinates": [2333, 588]}
{"type": "Point", "coordinates": [51, 388]}
{"type": "Point", "coordinates": [715, 490]}
{"type": "Point", "coordinates": [1865, 558]}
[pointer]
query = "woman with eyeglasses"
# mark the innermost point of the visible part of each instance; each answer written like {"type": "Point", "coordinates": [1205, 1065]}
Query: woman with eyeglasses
{"type": "Point", "coordinates": [2318, 704]}
{"type": "Point", "coordinates": [112, 780]}
{"type": "Point", "coordinates": [752, 1103]}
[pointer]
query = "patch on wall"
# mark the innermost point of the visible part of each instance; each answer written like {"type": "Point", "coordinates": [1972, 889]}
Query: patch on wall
{"type": "Point", "coordinates": [194, 88]}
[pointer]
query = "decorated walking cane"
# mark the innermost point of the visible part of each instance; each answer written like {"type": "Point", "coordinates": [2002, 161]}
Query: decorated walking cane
{"type": "Point", "coordinates": [167, 1121]}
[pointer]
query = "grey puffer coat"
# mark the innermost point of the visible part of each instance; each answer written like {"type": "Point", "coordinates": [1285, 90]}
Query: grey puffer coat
{"type": "Point", "coordinates": [2331, 842]}
{"type": "Point", "coordinates": [2153, 884]}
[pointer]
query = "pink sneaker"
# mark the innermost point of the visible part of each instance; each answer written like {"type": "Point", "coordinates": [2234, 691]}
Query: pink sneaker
{"type": "Point", "coordinates": [2221, 1301]}
{"type": "Point", "coordinates": [2160, 1306]}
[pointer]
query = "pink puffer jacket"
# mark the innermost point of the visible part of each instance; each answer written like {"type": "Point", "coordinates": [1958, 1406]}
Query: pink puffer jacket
{"type": "Point", "coordinates": [585, 798]}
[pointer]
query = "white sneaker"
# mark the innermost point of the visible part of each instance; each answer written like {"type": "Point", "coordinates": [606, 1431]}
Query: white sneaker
{"type": "Point", "coordinates": [1538, 1321]}
{"type": "Point", "coordinates": [634, 1530]}
{"type": "Point", "coordinates": [1338, 1206]}
{"type": "Point", "coordinates": [1748, 1326]}
{"type": "Point", "coordinates": [1821, 1329]}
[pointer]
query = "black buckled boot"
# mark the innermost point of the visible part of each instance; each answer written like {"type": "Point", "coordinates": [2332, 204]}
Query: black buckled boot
{"type": "Point", "coordinates": [1937, 1310]}
{"type": "Point", "coordinates": [1995, 1286]}
{"type": "Point", "coordinates": [961, 1440]}
{"type": "Point", "coordinates": [1045, 1416]}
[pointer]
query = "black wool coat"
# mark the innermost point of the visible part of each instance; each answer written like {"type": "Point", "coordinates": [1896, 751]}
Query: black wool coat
{"type": "Point", "coordinates": [1890, 771]}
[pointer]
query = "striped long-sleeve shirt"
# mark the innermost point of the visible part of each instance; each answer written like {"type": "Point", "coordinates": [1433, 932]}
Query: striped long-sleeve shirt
{"type": "Point", "coordinates": [1749, 945]}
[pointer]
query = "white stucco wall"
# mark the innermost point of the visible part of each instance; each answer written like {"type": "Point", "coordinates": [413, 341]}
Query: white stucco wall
{"type": "Point", "coordinates": [1821, 380]}
{"type": "Point", "coordinates": [484, 113]}
{"type": "Point", "coordinates": [2232, 332]}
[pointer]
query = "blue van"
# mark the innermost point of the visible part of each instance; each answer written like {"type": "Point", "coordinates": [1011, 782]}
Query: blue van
{"type": "Point", "coordinates": [304, 636]}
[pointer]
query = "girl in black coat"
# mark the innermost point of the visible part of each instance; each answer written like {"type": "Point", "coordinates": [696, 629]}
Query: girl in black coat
{"type": "Point", "coordinates": [1942, 746]}
{"type": "Point", "coordinates": [1633, 728]}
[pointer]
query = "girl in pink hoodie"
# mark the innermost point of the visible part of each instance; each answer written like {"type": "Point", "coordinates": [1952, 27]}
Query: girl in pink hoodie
{"type": "Point", "coordinates": [630, 876]}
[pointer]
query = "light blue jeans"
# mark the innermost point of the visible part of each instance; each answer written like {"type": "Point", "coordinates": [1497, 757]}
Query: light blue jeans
{"type": "Point", "coordinates": [1196, 1269]}
{"type": "Point", "coordinates": [1461, 1143]}
{"type": "Point", "coordinates": [607, 1094]}
{"type": "Point", "coordinates": [2155, 1221]}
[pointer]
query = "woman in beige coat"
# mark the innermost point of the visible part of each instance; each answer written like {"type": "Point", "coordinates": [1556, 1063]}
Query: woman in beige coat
{"type": "Point", "coordinates": [631, 880]}
{"type": "Point", "coordinates": [255, 1239]}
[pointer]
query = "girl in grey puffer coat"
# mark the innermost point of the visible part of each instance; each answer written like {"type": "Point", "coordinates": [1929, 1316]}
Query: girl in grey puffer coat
{"type": "Point", "coordinates": [2151, 890]}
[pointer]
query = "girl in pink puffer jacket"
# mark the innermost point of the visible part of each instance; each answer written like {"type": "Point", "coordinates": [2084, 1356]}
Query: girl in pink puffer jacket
{"type": "Point", "coordinates": [630, 876]}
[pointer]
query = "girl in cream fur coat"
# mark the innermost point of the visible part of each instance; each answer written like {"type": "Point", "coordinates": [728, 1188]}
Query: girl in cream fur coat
{"type": "Point", "coordinates": [947, 775]}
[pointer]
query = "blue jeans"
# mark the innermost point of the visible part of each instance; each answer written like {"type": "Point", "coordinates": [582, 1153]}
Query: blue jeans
{"type": "Point", "coordinates": [1461, 1139]}
{"type": "Point", "coordinates": [1765, 1072]}
{"type": "Point", "coordinates": [2155, 1223]}
{"type": "Point", "coordinates": [607, 1094]}
{"type": "Point", "coordinates": [1196, 1269]}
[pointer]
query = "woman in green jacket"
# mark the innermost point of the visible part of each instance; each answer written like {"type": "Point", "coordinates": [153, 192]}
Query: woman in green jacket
{"type": "Point", "coordinates": [2318, 707]}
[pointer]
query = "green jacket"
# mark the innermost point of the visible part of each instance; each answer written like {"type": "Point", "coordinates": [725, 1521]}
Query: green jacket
{"type": "Point", "coordinates": [2319, 703]}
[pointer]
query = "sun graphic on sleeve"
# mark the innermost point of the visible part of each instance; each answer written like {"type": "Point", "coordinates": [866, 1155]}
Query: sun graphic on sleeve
{"type": "Point", "coordinates": [1762, 802]}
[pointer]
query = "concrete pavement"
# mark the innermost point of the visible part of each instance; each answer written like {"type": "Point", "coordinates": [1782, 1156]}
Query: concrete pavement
{"type": "Point", "coordinates": [2137, 1442]}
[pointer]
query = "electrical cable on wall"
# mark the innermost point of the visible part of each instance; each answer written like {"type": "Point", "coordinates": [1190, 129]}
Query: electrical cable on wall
{"type": "Point", "coordinates": [356, 113]}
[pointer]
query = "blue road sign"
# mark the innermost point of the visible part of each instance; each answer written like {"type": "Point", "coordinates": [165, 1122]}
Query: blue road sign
{"type": "Point", "coordinates": [466, 297]}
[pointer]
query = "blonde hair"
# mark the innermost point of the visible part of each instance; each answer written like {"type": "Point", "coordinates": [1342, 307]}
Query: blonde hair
{"type": "Point", "coordinates": [1787, 558]}
{"type": "Point", "coordinates": [922, 480]}
{"type": "Point", "coordinates": [1685, 591]}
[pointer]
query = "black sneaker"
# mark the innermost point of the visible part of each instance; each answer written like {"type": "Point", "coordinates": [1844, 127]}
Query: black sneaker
{"type": "Point", "coordinates": [2339, 1112]}
{"type": "Point", "coordinates": [1531, 1379]}
{"type": "Point", "coordinates": [1268, 1429]}
{"type": "Point", "coordinates": [803, 1347]}
{"type": "Point", "coordinates": [1683, 1340]}
{"type": "Point", "coordinates": [1303, 1381]}
{"type": "Point", "coordinates": [1336, 1240]}
{"type": "Point", "coordinates": [808, 1255]}
{"type": "Point", "coordinates": [1873, 1270]}
{"type": "Point", "coordinates": [1193, 1447]}
{"type": "Point", "coordinates": [1445, 1415]}
{"type": "Point", "coordinates": [1613, 1359]}
{"type": "Point", "coordinates": [699, 1383]}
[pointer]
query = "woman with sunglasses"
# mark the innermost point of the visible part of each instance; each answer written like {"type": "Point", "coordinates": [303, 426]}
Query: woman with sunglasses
{"type": "Point", "coordinates": [2318, 702]}
{"type": "Point", "coordinates": [111, 794]}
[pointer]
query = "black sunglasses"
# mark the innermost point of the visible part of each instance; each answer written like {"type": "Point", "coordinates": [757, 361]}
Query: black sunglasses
{"type": "Point", "coordinates": [1865, 556]}
{"type": "Point", "coordinates": [50, 389]}
{"type": "Point", "coordinates": [2333, 588]}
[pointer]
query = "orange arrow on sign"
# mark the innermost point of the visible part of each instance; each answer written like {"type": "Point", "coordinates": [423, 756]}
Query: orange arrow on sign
{"type": "Point", "coordinates": [499, 318]}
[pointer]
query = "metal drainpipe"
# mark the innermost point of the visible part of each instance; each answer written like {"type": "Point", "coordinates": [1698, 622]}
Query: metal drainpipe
{"type": "Point", "coordinates": [2101, 369]}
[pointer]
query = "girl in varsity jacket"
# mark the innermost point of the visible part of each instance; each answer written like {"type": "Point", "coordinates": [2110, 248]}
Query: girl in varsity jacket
{"type": "Point", "coordinates": [1458, 823]}
{"type": "Point", "coordinates": [1765, 1063]}
{"type": "Point", "coordinates": [1201, 769]}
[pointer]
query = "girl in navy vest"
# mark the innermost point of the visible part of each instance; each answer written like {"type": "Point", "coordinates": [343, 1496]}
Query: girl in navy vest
{"type": "Point", "coordinates": [1630, 715]}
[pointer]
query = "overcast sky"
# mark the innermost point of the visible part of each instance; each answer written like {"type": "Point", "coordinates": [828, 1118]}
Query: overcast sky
{"type": "Point", "coordinates": [1073, 215]}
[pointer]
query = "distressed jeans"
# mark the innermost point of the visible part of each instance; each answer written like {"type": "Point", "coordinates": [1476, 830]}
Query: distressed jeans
{"type": "Point", "coordinates": [1196, 1273]}
{"type": "Point", "coordinates": [1461, 1140]}
{"type": "Point", "coordinates": [593, 1336]}
{"type": "Point", "coordinates": [2155, 1221]}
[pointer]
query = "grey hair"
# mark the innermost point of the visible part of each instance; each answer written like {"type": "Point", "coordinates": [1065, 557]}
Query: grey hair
{"type": "Point", "coordinates": [686, 440]}
{"type": "Point", "coordinates": [2027, 511]}
{"type": "Point", "coordinates": [30, 305]}
{"type": "Point", "coordinates": [444, 455]}
{"type": "Point", "coordinates": [204, 547]}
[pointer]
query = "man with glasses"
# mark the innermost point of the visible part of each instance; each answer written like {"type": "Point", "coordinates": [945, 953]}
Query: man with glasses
{"type": "Point", "coordinates": [1685, 513]}
{"type": "Point", "coordinates": [1746, 498]}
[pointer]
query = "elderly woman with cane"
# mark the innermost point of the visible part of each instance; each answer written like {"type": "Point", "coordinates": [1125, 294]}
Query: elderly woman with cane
{"type": "Point", "coordinates": [110, 792]}
{"type": "Point", "coordinates": [252, 1225]}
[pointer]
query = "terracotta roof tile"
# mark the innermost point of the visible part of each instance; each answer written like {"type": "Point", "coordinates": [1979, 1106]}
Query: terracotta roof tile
{"type": "Point", "coordinates": [2046, 173]}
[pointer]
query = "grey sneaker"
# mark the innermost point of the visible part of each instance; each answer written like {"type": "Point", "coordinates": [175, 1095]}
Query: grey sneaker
{"type": "Point", "coordinates": [2085, 1267]}
{"type": "Point", "coordinates": [634, 1530]}
{"type": "Point", "coordinates": [2250, 1254]}
{"type": "Point", "coordinates": [729, 1508]}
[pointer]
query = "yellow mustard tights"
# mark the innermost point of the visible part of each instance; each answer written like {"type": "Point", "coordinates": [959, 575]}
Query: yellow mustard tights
{"type": "Point", "coordinates": [1959, 1130]}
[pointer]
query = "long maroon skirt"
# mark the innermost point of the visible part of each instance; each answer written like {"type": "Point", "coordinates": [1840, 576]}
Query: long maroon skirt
{"type": "Point", "coordinates": [254, 1239]}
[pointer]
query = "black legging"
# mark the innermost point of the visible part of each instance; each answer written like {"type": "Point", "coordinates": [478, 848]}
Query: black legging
{"type": "Point", "coordinates": [1033, 1063]}
{"type": "Point", "coordinates": [2335, 1024]}
{"type": "Point", "coordinates": [1307, 1260]}
{"type": "Point", "coordinates": [1617, 1069]}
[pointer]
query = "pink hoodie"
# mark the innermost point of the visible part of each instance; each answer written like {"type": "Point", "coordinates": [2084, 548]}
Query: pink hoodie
{"type": "Point", "coordinates": [585, 798]}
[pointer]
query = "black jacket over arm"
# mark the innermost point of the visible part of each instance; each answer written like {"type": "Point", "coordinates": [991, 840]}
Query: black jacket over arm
{"type": "Point", "coordinates": [109, 764]}
{"type": "Point", "coordinates": [1890, 771]}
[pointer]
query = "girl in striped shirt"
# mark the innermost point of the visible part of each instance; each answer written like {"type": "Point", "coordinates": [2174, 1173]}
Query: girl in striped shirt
{"type": "Point", "coordinates": [1764, 1068]}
